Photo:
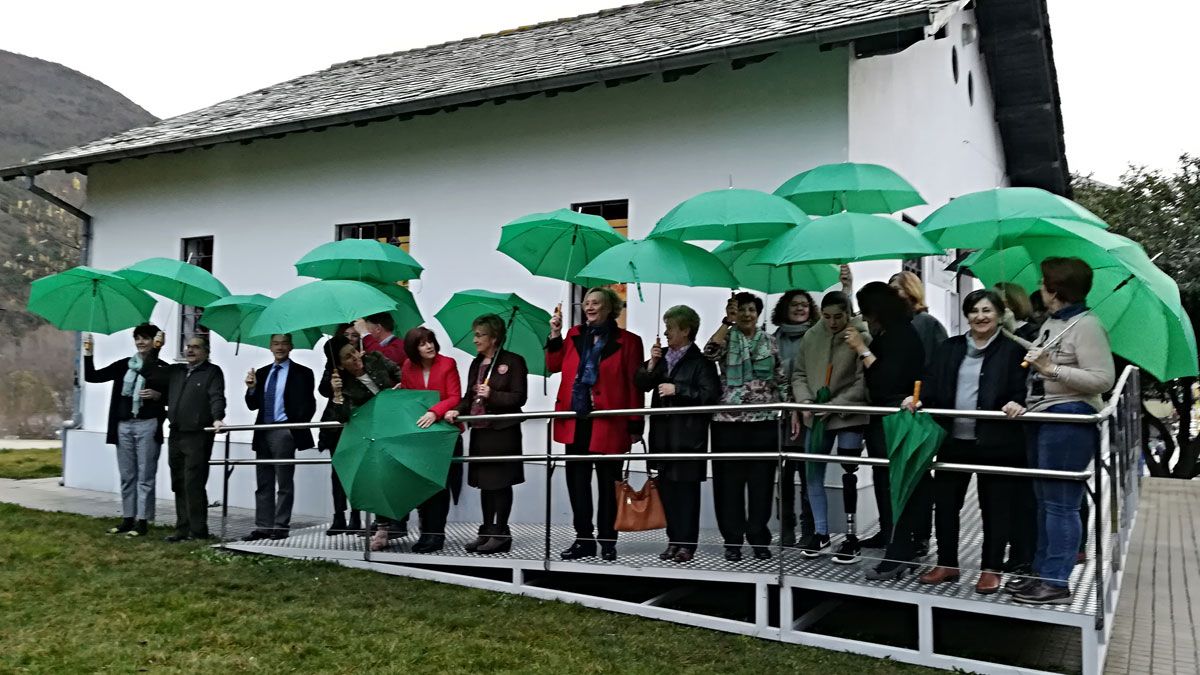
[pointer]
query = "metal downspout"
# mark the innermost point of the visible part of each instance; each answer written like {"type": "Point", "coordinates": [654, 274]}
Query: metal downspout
{"type": "Point", "coordinates": [85, 251]}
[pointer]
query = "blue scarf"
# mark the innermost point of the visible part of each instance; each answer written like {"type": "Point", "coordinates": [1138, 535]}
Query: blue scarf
{"type": "Point", "coordinates": [1069, 311]}
{"type": "Point", "coordinates": [594, 340]}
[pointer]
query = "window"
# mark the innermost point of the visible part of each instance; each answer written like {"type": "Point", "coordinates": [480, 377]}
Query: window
{"type": "Point", "coordinates": [196, 251]}
{"type": "Point", "coordinates": [616, 212]}
{"type": "Point", "coordinates": [396, 232]}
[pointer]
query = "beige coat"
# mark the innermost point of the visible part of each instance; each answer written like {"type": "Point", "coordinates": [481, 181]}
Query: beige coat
{"type": "Point", "coordinates": [819, 348]}
{"type": "Point", "coordinates": [1084, 360]}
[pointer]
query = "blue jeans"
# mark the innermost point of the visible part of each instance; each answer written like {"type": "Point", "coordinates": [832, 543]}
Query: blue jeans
{"type": "Point", "coordinates": [1065, 447]}
{"type": "Point", "coordinates": [849, 443]}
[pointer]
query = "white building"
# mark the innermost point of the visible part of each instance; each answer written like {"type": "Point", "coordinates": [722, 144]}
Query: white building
{"type": "Point", "coordinates": [643, 106]}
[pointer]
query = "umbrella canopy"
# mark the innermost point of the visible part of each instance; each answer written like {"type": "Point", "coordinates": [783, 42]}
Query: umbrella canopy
{"type": "Point", "coordinates": [663, 261]}
{"type": "Point", "coordinates": [913, 440]}
{"type": "Point", "coordinates": [858, 188]}
{"type": "Point", "coordinates": [387, 464]}
{"type": "Point", "coordinates": [88, 299]}
{"type": "Point", "coordinates": [985, 219]}
{"type": "Point", "coordinates": [359, 260]}
{"type": "Point", "coordinates": [321, 303]}
{"type": "Point", "coordinates": [527, 324]}
{"type": "Point", "coordinates": [1138, 303]}
{"type": "Point", "coordinates": [175, 280]}
{"type": "Point", "coordinates": [738, 256]}
{"type": "Point", "coordinates": [557, 244]}
{"type": "Point", "coordinates": [405, 316]}
{"type": "Point", "coordinates": [846, 238]}
{"type": "Point", "coordinates": [233, 316]}
{"type": "Point", "coordinates": [729, 215]}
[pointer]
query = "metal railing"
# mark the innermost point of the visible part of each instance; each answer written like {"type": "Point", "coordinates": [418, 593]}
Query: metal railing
{"type": "Point", "coordinates": [1119, 423]}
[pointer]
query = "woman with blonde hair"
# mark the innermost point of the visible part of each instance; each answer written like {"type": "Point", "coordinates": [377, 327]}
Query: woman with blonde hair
{"type": "Point", "coordinates": [929, 329]}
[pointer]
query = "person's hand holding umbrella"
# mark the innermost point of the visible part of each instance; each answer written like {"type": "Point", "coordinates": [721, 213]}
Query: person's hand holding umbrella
{"type": "Point", "coordinates": [1039, 360]}
{"type": "Point", "coordinates": [425, 421]}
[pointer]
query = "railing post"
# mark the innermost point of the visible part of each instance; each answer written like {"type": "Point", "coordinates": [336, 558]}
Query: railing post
{"type": "Point", "coordinates": [1098, 516]}
{"type": "Point", "coordinates": [549, 496]}
{"type": "Point", "coordinates": [783, 427]}
{"type": "Point", "coordinates": [225, 471]}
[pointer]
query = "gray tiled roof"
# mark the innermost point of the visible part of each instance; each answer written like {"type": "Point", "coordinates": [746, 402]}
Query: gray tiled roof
{"type": "Point", "coordinates": [626, 41]}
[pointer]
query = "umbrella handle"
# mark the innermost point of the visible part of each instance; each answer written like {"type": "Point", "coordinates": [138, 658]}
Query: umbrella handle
{"type": "Point", "coordinates": [829, 375]}
{"type": "Point", "coordinates": [916, 393]}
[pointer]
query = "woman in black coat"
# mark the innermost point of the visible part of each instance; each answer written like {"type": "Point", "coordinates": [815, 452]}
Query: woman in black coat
{"type": "Point", "coordinates": [328, 438]}
{"type": "Point", "coordinates": [494, 390]}
{"type": "Point", "coordinates": [981, 371]}
{"type": "Point", "coordinates": [680, 376]}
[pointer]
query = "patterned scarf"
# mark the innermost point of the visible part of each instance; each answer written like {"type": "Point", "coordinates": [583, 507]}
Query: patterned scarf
{"type": "Point", "coordinates": [134, 382]}
{"type": "Point", "coordinates": [748, 358]}
{"type": "Point", "coordinates": [594, 339]}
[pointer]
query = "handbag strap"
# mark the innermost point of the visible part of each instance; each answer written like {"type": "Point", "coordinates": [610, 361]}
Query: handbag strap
{"type": "Point", "coordinates": [645, 451]}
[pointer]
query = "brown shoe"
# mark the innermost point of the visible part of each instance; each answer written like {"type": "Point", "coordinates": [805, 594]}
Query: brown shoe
{"type": "Point", "coordinates": [989, 582]}
{"type": "Point", "coordinates": [939, 575]}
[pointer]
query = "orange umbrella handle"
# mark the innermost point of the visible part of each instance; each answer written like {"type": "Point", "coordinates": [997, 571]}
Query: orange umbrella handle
{"type": "Point", "coordinates": [916, 393]}
{"type": "Point", "coordinates": [828, 374]}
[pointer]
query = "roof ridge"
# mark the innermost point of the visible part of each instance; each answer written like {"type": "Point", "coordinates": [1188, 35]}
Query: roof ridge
{"type": "Point", "coordinates": [510, 31]}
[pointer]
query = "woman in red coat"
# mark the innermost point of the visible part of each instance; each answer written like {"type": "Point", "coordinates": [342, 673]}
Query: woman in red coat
{"type": "Point", "coordinates": [428, 369]}
{"type": "Point", "coordinates": [599, 362]}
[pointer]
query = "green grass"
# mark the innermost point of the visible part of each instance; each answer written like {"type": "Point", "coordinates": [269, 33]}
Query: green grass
{"type": "Point", "coordinates": [75, 600]}
{"type": "Point", "coordinates": [30, 463]}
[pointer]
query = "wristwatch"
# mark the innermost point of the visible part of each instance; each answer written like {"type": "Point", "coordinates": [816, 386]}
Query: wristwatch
{"type": "Point", "coordinates": [865, 354]}
{"type": "Point", "coordinates": [725, 321]}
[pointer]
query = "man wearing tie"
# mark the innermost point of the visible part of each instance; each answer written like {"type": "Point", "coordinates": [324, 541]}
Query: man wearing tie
{"type": "Point", "coordinates": [286, 396]}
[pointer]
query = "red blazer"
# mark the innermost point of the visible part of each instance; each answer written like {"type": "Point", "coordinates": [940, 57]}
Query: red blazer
{"type": "Point", "coordinates": [615, 389]}
{"type": "Point", "coordinates": [443, 378]}
{"type": "Point", "coordinates": [393, 350]}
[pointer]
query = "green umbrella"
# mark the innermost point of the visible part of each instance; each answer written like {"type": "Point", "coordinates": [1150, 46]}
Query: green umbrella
{"type": "Point", "coordinates": [816, 439]}
{"type": "Point", "coordinates": [738, 256]}
{"type": "Point", "coordinates": [359, 260]}
{"type": "Point", "coordinates": [527, 324]}
{"type": "Point", "coordinates": [405, 316]}
{"type": "Point", "coordinates": [558, 244]}
{"type": "Point", "coordinates": [912, 441]}
{"type": "Point", "coordinates": [846, 238]}
{"type": "Point", "coordinates": [175, 280]}
{"type": "Point", "coordinates": [858, 188]}
{"type": "Point", "coordinates": [387, 464]}
{"type": "Point", "coordinates": [1138, 304]}
{"type": "Point", "coordinates": [985, 219]}
{"type": "Point", "coordinates": [729, 215]}
{"type": "Point", "coordinates": [321, 303]}
{"type": "Point", "coordinates": [663, 261]}
{"type": "Point", "coordinates": [233, 316]}
{"type": "Point", "coordinates": [88, 299]}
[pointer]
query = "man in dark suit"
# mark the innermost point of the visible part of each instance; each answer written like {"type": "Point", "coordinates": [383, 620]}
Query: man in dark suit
{"type": "Point", "coordinates": [285, 396]}
{"type": "Point", "coordinates": [195, 401]}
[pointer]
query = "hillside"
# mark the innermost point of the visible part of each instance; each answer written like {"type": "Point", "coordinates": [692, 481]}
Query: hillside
{"type": "Point", "coordinates": [43, 107]}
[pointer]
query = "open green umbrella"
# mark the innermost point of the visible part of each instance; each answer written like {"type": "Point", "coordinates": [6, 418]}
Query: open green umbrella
{"type": "Point", "coordinates": [175, 280]}
{"type": "Point", "coordinates": [527, 324]}
{"type": "Point", "coordinates": [858, 188]}
{"type": "Point", "coordinates": [988, 218]}
{"type": "Point", "coordinates": [88, 299]}
{"type": "Point", "coordinates": [846, 238]}
{"type": "Point", "coordinates": [387, 464]}
{"type": "Point", "coordinates": [663, 261]}
{"type": "Point", "coordinates": [359, 260]}
{"type": "Point", "coordinates": [1138, 303]}
{"type": "Point", "coordinates": [557, 244]}
{"type": "Point", "coordinates": [729, 215]}
{"type": "Point", "coordinates": [738, 256]}
{"type": "Point", "coordinates": [405, 316]}
{"type": "Point", "coordinates": [233, 316]}
{"type": "Point", "coordinates": [321, 303]}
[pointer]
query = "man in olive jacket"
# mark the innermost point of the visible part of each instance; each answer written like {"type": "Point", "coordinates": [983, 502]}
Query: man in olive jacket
{"type": "Point", "coordinates": [195, 401]}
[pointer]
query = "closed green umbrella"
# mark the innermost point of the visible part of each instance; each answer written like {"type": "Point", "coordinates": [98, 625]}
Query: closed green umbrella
{"type": "Point", "coordinates": [729, 215]}
{"type": "Point", "coordinates": [988, 218]}
{"type": "Point", "coordinates": [386, 463]}
{"type": "Point", "coordinates": [233, 316]}
{"type": "Point", "coordinates": [359, 260]}
{"type": "Point", "coordinates": [816, 439]}
{"type": "Point", "coordinates": [175, 280]}
{"type": "Point", "coordinates": [913, 440]}
{"type": "Point", "coordinates": [846, 238]}
{"type": "Point", "coordinates": [557, 244]}
{"type": "Point", "coordinates": [858, 188]}
{"type": "Point", "coordinates": [663, 261]}
{"type": "Point", "coordinates": [527, 324]}
{"type": "Point", "coordinates": [738, 256]}
{"type": "Point", "coordinates": [321, 303]}
{"type": "Point", "coordinates": [88, 299]}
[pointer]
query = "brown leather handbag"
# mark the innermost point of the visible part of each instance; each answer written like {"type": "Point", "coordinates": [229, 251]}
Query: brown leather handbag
{"type": "Point", "coordinates": [639, 510]}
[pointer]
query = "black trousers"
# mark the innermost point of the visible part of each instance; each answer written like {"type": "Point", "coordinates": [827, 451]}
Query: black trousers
{"type": "Point", "coordinates": [579, 489]}
{"type": "Point", "coordinates": [681, 502]}
{"type": "Point", "coordinates": [877, 447]}
{"type": "Point", "coordinates": [435, 510]}
{"type": "Point", "coordinates": [188, 453]}
{"type": "Point", "coordinates": [742, 490]}
{"type": "Point", "coordinates": [1006, 505]}
{"type": "Point", "coordinates": [787, 498]}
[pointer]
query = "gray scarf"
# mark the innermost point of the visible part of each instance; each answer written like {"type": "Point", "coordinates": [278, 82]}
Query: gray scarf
{"type": "Point", "coordinates": [134, 382]}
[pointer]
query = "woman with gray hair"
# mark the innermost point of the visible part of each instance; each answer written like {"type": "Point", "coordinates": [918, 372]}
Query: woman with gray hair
{"type": "Point", "coordinates": [680, 376]}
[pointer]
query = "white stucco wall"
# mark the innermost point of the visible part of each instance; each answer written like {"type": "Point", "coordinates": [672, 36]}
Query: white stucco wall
{"type": "Point", "coordinates": [458, 177]}
{"type": "Point", "coordinates": [907, 112]}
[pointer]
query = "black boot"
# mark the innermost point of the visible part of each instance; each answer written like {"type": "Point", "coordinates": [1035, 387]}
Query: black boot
{"type": "Point", "coordinates": [355, 521]}
{"type": "Point", "coordinates": [499, 542]}
{"type": "Point", "coordinates": [338, 526]}
{"type": "Point", "coordinates": [485, 533]}
{"type": "Point", "coordinates": [428, 543]}
{"type": "Point", "coordinates": [125, 525]}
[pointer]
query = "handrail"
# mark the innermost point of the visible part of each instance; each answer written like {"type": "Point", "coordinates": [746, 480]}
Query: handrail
{"type": "Point", "coordinates": [1110, 410]}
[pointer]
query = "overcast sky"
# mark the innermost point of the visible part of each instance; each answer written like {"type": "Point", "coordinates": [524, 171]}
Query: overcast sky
{"type": "Point", "coordinates": [1127, 72]}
